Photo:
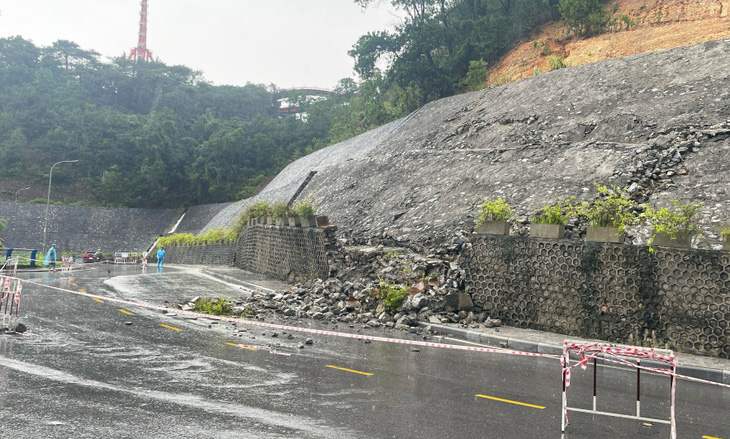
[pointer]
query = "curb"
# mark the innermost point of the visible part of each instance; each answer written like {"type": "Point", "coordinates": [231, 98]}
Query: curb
{"type": "Point", "coordinates": [705, 373]}
{"type": "Point", "coordinates": [230, 279]}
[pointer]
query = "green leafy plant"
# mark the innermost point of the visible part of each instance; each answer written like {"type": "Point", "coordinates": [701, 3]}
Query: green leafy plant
{"type": "Point", "coordinates": [613, 208]}
{"type": "Point", "coordinates": [476, 75]}
{"type": "Point", "coordinates": [253, 211]}
{"type": "Point", "coordinates": [217, 307]}
{"type": "Point", "coordinates": [584, 17]}
{"type": "Point", "coordinates": [3, 225]}
{"type": "Point", "coordinates": [212, 235]}
{"type": "Point", "coordinates": [391, 296]}
{"type": "Point", "coordinates": [543, 48]}
{"type": "Point", "coordinates": [279, 209]}
{"type": "Point", "coordinates": [627, 21]}
{"type": "Point", "coordinates": [683, 220]}
{"type": "Point", "coordinates": [497, 210]}
{"type": "Point", "coordinates": [725, 233]}
{"type": "Point", "coordinates": [307, 207]}
{"type": "Point", "coordinates": [555, 214]}
{"type": "Point", "coordinates": [557, 62]}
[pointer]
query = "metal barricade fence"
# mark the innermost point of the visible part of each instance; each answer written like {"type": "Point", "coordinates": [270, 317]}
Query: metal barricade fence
{"type": "Point", "coordinates": [11, 289]}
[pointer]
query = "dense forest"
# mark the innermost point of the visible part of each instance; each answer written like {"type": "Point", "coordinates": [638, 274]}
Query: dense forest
{"type": "Point", "coordinates": [151, 135]}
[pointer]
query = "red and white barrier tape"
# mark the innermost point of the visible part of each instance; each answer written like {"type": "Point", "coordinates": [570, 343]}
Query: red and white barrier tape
{"type": "Point", "coordinates": [613, 351]}
{"type": "Point", "coordinates": [299, 329]}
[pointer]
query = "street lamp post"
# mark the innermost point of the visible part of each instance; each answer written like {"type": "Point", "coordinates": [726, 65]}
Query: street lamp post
{"type": "Point", "coordinates": [16, 192]}
{"type": "Point", "coordinates": [48, 201]}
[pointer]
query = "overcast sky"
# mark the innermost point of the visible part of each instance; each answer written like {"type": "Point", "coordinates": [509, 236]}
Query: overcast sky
{"type": "Point", "coordinates": [286, 42]}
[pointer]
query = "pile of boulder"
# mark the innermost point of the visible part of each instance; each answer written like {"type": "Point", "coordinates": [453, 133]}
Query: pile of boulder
{"type": "Point", "coordinates": [432, 286]}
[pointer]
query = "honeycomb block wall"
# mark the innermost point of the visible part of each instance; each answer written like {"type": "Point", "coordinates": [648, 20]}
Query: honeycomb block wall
{"type": "Point", "coordinates": [671, 298]}
{"type": "Point", "coordinates": [286, 253]}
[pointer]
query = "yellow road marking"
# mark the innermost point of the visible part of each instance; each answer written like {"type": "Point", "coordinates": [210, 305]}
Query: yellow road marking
{"type": "Point", "coordinates": [170, 327]}
{"type": "Point", "coordinates": [511, 402]}
{"type": "Point", "coordinates": [124, 311]}
{"type": "Point", "coordinates": [98, 300]}
{"type": "Point", "coordinates": [349, 370]}
{"type": "Point", "coordinates": [74, 284]}
{"type": "Point", "coordinates": [81, 290]}
{"type": "Point", "coordinates": [710, 437]}
{"type": "Point", "coordinates": [241, 346]}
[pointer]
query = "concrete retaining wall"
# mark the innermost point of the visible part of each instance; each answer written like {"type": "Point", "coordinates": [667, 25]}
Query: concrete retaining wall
{"type": "Point", "coordinates": [81, 228]}
{"type": "Point", "coordinates": [672, 298]}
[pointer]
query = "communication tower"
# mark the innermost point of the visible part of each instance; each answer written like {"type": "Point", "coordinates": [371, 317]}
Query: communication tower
{"type": "Point", "coordinates": [141, 52]}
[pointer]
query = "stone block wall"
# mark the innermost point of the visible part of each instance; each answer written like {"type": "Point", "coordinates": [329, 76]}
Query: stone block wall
{"type": "Point", "coordinates": [285, 253]}
{"type": "Point", "coordinates": [674, 298]}
{"type": "Point", "coordinates": [214, 253]}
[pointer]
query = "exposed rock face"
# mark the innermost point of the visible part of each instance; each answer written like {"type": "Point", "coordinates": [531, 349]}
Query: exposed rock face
{"type": "Point", "coordinates": [657, 121]}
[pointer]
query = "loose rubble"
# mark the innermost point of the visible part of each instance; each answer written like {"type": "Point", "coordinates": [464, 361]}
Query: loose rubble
{"type": "Point", "coordinates": [433, 287]}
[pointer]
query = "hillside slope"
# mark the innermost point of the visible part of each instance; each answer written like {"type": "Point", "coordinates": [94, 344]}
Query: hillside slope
{"type": "Point", "coordinates": [657, 123]}
{"type": "Point", "coordinates": [659, 25]}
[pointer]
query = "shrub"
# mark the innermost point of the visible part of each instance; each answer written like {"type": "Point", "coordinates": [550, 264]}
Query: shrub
{"type": "Point", "coordinates": [476, 75]}
{"type": "Point", "coordinates": [556, 214]}
{"type": "Point", "coordinates": [217, 307]}
{"type": "Point", "coordinates": [255, 210]}
{"type": "Point", "coordinates": [391, 296]}
{"type": "Point", "coordinates": [557, 62]}
{"type": "Point", "coordinates": [494, 211]}
{"type": "Point", "coordinates": [212, 235]}
{"type": "Point", "coordinates": [612, 209]}
{"type": "Point", "coordinates": [307, 207]}
{"type": "Point", "coordinates": [279, 209]}
{"type": "Point", "coordinates": [681, 221]}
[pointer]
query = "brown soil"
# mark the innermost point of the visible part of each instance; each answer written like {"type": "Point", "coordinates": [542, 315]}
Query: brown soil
{"type": "Point", "coordinates": [660, 24]}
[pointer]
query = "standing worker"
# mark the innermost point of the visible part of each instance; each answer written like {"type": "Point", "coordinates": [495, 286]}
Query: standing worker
{"type": "Point", "coordinates": [161, 257]}
{"type": "Point", "coordinates": [50, 260]}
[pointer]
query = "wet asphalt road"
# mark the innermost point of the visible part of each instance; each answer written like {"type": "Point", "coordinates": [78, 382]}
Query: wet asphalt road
{"type": "Point", "coordinates": [81, 371]}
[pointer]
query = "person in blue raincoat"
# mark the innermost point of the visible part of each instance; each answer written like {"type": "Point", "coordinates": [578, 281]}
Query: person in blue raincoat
{"type": "Point", "coordinates": [161, 256]}
{"type": "Point", "coordinates": [50, 260]}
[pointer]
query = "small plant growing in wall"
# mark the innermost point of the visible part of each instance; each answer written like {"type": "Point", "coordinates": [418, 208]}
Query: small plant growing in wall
{"type": "Point", "coordinates": [680, 222]}
{"type": "Point", "coordinates": [725, 235]}
{"type": "Point", "coordinates": [497, 210]}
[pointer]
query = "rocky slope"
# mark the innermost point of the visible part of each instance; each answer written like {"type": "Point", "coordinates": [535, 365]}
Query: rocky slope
{"type": "Point", "coordinates": [649, 26]}
{"type": "Point", "coordinates": [657, 123]}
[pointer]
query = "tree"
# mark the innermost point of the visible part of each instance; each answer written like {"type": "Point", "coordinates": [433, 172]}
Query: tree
{"type": "Point", "coordinates": [71, 56]}
{"type": "Point", "coordinates": [584, 17]}
{"type": "Point", "coordinates": [476, 76]}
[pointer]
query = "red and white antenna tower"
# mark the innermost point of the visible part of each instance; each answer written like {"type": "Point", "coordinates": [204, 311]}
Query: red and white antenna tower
{"type": "Point", "coordinates": [141, 53]}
